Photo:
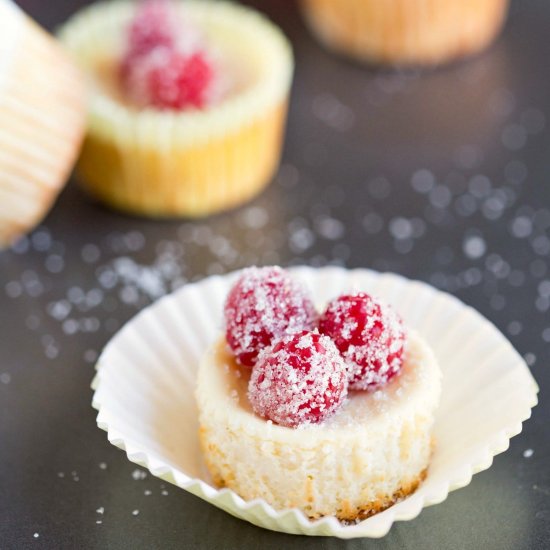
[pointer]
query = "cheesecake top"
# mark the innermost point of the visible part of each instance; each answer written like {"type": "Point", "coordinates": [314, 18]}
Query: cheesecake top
{"type": "Point", "coordinates": [223, 384]}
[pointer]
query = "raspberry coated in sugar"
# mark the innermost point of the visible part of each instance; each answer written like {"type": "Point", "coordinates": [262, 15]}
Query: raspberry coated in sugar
{"type": "Point", "coordinates": [175, 81]}
{"type": "Point", "coordinates": [300, 380]}
{"type": "Point", "coordinates": [264, 305]}
{"type": "Point", "coordinates": [165, 64]}
{"type": "Point", "coordinates": [151, 27]}
{"type": "Point", "coordinates": [369, 335]}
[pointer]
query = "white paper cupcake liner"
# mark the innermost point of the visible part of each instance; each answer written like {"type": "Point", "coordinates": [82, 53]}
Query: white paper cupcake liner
{"type": "Point", "coordinates": [144, 392]}
{"type": "Point", "coordinates": [42, 112]}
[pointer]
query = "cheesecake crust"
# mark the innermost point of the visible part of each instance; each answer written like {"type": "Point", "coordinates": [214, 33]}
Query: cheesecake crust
{"type": "Point", "coordinates": [352, 514]}
{"type": "Point", "coordinates": [346, 513]}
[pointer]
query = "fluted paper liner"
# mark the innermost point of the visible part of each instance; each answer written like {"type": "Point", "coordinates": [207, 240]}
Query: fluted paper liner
{"type": "Point", "coordinates": [189, 163]}
{"type": "Point", "coordinates": [42, 112]}
{"type": "Point", "coordinates": [144, 392]}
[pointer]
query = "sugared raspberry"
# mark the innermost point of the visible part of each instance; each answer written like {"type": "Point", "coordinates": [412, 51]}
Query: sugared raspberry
{"type": "Point", "coordinates": [152, 27]}
{"type": "Point", "coordinates": [165, 64]}
{"type": "Point", "coordinates": [169, 79]}
{"type": "Point", "coordinates": [370, 337]}
{"type": "Point", "coordinates": [302, 379]}
{"type": "Point", "coordinates": [263, 306]}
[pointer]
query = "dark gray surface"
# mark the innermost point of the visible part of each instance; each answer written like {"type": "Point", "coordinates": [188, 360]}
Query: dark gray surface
{"type": "Point", "coordinates": [344, 195]}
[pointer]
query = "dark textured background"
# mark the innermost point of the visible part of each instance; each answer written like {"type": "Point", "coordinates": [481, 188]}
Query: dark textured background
{"type": "Point", "coordinates": [440, 176]}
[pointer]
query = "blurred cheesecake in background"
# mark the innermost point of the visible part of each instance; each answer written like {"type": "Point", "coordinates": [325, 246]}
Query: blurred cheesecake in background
{"type": "Point", "coordinates": [405, 32]}
{"type": "Point", "coordinates": [42, 114]}
{"type": "Point", "coordinates": [188, 104]}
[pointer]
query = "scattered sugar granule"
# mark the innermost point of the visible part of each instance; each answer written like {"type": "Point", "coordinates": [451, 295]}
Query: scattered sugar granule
{"type": "Point", "coordinates": [100, 510]}
{"type": "Point", "coordinates": [533, 120]}
{"type": "Point", "coordinates": [330, 110]}
{"type": "Point", "coordinates": [138, 474]}
{"type": "Point", "coordinates": [14, 289]}
{"type": "Point", "coordinates": [36, 535]}
{"type": "Point", "coordinates": [70, 326]}
{"type": "Point", "coordinates": [373, 223]}
{"type": "Point", "coordinates": [514, 328]}
{"type": "Point", "coordinates": [135, 512]}
{"type": "Point", "coordinates": [379, 187]}
{"type": "Point", "coordinates": [54, 263]}
{"type": "Point", "coordinates": [521, 227]}
{"type": "Point", "coordinates": [255, 217]}
{"type": "Point", "coordinates": [102, 465]}
{"type": "Point", "coordinates": [528, 453]}
{"type": "Point", "coordinates": [90, 356]}
{"type": "Point", "coordinates": [401, 228]}
{"type": "Point", "coordinates": [422, 181]}
{"type": "Point", "coordinates": [330, 228]}
{"type": "Point", "coordinates": [468, 156]}
{"type": "Point", "coordinates": [5, 378]}
{"type": "Point", "coordinates": [32, 322]}
{"type": "Point", "coordinates": [90, 253]}
{"type": "Point", "coordinates": [515, 172]}
{"type": "Point", "coordinates": [59, 310]}
{"type": "Point", "coordinates": [301, 239]}
{"type": "Point", "coordinates": [147, 492]}
{"type": "Point", "coordinates": [474, 247]}
{"type": "Point", "coordinates": [21, 246]}
{"type": "Point", "coordinates": [497, 302]}
{"type": "Point", "coordinates": [440, 196]}
{"type": "Point", "coordinates": [164, 492]}
{"type": "Point", "coordinates": [41, 240]}
{"type": "Point", "coordinates": [514, 137]}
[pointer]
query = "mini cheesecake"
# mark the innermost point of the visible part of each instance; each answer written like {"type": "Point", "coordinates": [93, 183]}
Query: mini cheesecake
{"type": "Point", "coordinates": [192, 161]}
{"type": "Point", "coordinates": [372, 452]}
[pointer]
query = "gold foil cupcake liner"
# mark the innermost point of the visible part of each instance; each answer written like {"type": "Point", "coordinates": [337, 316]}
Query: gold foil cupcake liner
{"type": "Point", "coordinates": [192, 163]}
{"type": "Point", "coordinates": [405, 32]}
{"type": "Point", "coordinates": [41, 121]}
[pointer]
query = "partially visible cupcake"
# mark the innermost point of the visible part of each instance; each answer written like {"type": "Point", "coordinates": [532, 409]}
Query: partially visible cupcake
{"type": "Point", "coordinates": [42, 115]}
{"type": "Point", "coordinates": [188, 104]}
{"type": "Point", "coordinates": [406, 32]}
